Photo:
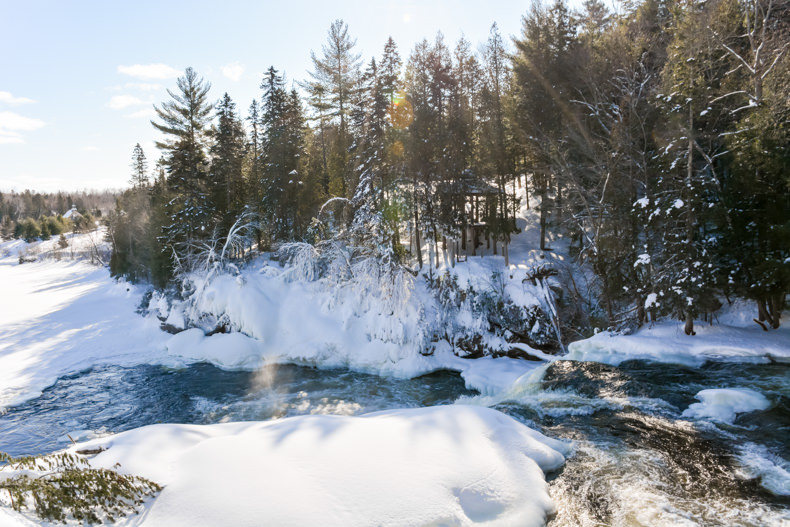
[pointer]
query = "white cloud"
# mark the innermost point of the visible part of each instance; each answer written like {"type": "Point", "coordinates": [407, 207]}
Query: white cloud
{"type": "Point", "coordinates": [6, 97]}
{"type": "Point", "coordinates": [118, 102]}
{"type": "Point", "coordinates": [10, 139]}
{"type": "Point", "coordinates": [233, 71]}
{"type": "Point", "coordinates": [90, 148]}
{"type": "Point", "coordinates": [11, 124]}
{"type": "Point", "coordinates": [147, 113]}
{"type": "Point", "coordinates": [144, 86]}
{"type": "Point", "coordinates": [150, 71]}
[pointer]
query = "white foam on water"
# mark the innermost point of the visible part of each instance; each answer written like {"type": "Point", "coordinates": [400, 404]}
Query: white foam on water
{"type": "Point", "coordinates": [772, 471]}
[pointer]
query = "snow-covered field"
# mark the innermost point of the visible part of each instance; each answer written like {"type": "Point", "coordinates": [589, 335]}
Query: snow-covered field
{"type": "Point", "coordinates": [60, 317]}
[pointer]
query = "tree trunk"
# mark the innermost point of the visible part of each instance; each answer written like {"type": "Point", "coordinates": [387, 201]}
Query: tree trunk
{"type": "Point", "coordinates": [542, 228]}
{"type": "Point", "coordinates": [417, 238]}
{"type": "Point", "coordinates": [689, 327]}
{"type": "Point", "coordinates": [777, 305]}
{"type": "Point", "coordinates": [526, 189]}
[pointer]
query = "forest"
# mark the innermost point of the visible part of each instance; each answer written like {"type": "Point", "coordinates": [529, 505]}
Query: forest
{"type": "Point", "coordinates": [656, 138]}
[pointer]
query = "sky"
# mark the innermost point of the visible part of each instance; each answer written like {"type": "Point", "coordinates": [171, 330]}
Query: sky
{"type": "Point", "coordinates": [78, 79]}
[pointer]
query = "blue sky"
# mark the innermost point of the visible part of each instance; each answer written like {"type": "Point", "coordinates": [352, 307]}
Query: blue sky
{"type": "Point", "coordinates": [78, 79]}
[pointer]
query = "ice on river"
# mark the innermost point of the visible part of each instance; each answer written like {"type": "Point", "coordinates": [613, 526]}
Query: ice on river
{"type": "Point", "coordinates": [723, 404]}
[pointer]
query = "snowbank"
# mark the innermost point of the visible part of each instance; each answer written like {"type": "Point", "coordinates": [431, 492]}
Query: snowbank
{"type": "Point", "coordinates": [666, 342]}
{"type": "Point", "coordinates": [447, 465]}
{"type": "Point", "coordinates": [723, 404]}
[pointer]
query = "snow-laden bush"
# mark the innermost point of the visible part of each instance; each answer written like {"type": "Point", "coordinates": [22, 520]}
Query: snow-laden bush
{"type": "Point", "coordinates": [485, 319]}
{"type": "Point", "coordinates": [300, 260]}
{"type": "Point", "coordinates": [63, 486]}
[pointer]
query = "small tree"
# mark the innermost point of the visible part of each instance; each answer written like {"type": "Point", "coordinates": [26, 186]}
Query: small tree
{"type": "Point", "coordinates": [139, 168]}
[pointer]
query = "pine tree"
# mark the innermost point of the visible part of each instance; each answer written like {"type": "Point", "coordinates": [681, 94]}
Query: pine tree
{"type": "Point", "coordinates": [139, 168]}
{"type": "Point", "coordinates": [334, 77]}
{"type": "Point", "coordinates": [227, 157]}
{"type": "Point", "coordinates": [495, 149]}
{"type": "Point", "coordinates": [688, 193]}
{"type": "Point", "coordinates": [390, 66]}
{"type": "Point", "coordinates": [541, 67]}
{"type": "Point", "coordinates": [282, 122]}
{"type": "Point", "coordinates": [185, 125]}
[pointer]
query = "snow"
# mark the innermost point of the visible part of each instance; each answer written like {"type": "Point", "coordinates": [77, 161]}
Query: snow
{"type": "Point", "coordinates": [446, 465]}
{"type": "Point", "coordinates": [651, 300]}
{"type": "Point", "coordinates": [734, 338]}
{"type": "Point", "coordinates": [723, 404]}
{"type": "Point", "coordinates": [494, 376]}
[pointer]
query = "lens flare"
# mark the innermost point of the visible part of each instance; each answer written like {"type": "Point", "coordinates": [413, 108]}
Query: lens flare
{"type": "Point", "coordinates": [396, 149]}
{"type": "Point", "coordinates": [401, 112]}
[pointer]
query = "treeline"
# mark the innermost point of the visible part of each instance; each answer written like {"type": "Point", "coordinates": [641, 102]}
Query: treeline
{"type": "Point", "coordinates": [656, 138]}
{"type": "Point", "coordinates": [35, 215]}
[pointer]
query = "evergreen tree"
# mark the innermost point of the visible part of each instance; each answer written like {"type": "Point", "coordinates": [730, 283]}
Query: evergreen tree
{"type": "Point", "coordinates": [185, 125]}
{"type": "Point", "coordinates": [390, 66]}
{"type": "Point", "coordinates": [139, 168]}
{"type": "Point", "coordinates": [334, 77]}
{"type": "Point", "coordinates": [541, 69]}
{"type": "Point", "coordinates": [687, 192]}
{"type": "Point", "coordinates": [227, 157]}
{"type": "Point", "coordinates": [495, 149]}
{"type": "Point", "coordinates": [282, 123]}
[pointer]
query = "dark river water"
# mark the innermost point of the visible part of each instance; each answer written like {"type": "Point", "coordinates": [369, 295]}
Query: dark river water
{"type": "Point", "coordinates": [636, 460]}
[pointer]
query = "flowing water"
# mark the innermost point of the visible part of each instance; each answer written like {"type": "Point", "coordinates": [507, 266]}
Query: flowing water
{"type": "Point", "coordinates": [637, 461]}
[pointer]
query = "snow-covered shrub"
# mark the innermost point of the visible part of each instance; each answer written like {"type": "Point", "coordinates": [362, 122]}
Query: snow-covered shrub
{"type": "Point", "coordinates": [64, 486]}
{"type": "Point", "coordinates": [485, 321]}
{"type": "Point", "coordinates": [301, 260]}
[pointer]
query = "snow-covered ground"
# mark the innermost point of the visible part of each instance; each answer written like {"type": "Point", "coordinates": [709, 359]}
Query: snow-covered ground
{"type": "Point", "coordinates": [447, 465]}
{"type": "Point", "coordinates": [734, 337]}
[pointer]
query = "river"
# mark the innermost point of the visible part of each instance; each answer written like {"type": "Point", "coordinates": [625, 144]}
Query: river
{"type": "Point", "coordinates": [637, 460]}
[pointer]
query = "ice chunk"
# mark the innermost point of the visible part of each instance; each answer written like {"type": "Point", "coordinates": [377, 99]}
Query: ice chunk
{"type": "Point", "coordinates": [723, 404]}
